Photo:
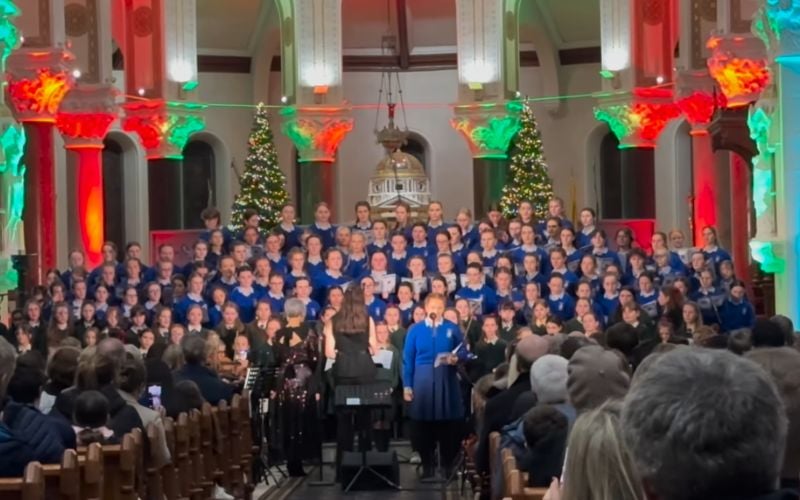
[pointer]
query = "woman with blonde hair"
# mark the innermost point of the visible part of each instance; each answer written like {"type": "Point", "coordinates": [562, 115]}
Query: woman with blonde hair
{"type": "Point", "coordinates": [599, 466]}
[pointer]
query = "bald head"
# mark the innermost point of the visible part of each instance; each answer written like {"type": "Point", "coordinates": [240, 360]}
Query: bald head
{"type": "Point", "coordinates": [112, 348]}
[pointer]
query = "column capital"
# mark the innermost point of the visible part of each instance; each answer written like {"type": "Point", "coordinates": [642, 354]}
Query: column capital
{"type": "Point", "coordinates": [86, 115]}
{"type": "Point", "coordinates": [38, 80]}
{"type": "Point", "coordinates": [697, 97]}
{"type": "Point", "coordinates": [740, 66]}
{"type": "Point", "coordinates": [488, 128]}
{"type": "Point", "coordinates": [317, 131]}
{"type": "Point", "coordinates": [163, 127]}
{"type": "Point", "coordinates": [638, 118]}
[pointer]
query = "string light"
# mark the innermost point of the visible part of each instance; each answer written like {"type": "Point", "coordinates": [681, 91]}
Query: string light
{"type": "Point", "coordinates": [263, 185]}
{"type": "Point", "coordinates": [529, 178]}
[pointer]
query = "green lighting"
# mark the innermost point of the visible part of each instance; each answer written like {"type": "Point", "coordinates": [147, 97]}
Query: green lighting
{"type": "Point", "coordinates": [763, 190]}
{"type": "Point", "coordinates": [617, 118]}
{"type": "Point", "coordinates": [9, 34]}
{"type": "Point", "coordinates": [12, 141]}
{"type": "Point", "coordinates": [607, 75]}
{"type": "Point", "coordinates": [760, 125]}
{"type": "Point", "coordinates": [182, 127]}
{"type": "Point", "coordinates": [763, 252]}
{"type": "Point", "coordinates": [190, 85]}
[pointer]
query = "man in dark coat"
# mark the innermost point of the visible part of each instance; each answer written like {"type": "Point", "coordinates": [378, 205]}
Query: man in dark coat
{"type": "Point", "coordinates": [211, 386]}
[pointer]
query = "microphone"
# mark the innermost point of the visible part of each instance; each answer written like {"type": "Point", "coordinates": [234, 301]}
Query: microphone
{"type": "Point", "coordinates": [432, 316]}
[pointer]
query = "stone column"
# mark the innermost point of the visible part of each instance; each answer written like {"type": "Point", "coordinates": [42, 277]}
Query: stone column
{"type": "Point", "coordinates": [161, 66]}
{"type": "Point", "coordinates": [488, 82]}
{"type": "Point", "coordinates": [696, 97]}
{"type": "Point", "coordinates": [636, 66]}
{"type": "Point", "coordinates": [39, 80]}
{"type": "Point", "coordinates": [164, 129]}
{"type": "Point", "coordinates": [637, 119]}
{"type": "Point", "coordinates": [317, 120]}
{"type": "Point", "coordinates": [775, 125]}
{"type": "Point", "coordinates": [84, 119]}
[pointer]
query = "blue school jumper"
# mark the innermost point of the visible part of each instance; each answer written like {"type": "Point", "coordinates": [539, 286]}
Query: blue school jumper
{"type": "Point", "coordinates": [182, 307]}
{"type": "Point", "coordinates": [433, 231]}
{"type": "Point", "coordinates": [312, 309]}
{"type": "Point", "coordinates": [484, 295]}
{"type": "Point", "coordinates": [245, 303]}
{"type": "Point", "coordinates": [563, 307]}
{"type": "Point", "coordinates": [399, 265]}
{"type": "Point", "coordinates": [356, 267]}
{"type": "Point", "coordinates": [737, 315]}
{"type": "Point", "coordinates": [291, 237]}
{"type": "Point", "coordinates": [376, 309]}
{"type": "Point", "coordinates": [324, 281]}
{"type": "Point", "coordinates": [327, 235]}
{"type": "Point", "coordinates": [649, 303]}
{"type": "Point", "coordinates": [710, 302]}
{"type": "Point", "coordinates": [608, 305]}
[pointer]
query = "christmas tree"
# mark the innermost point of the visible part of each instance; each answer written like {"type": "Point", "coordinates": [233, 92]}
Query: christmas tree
{"type": "Point", "coordinates": [263, 185]}
{"type": "Point", "coordinates": [528, 177]}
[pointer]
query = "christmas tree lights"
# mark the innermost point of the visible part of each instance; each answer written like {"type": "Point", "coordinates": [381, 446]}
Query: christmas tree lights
{"type": "Point", "coordinates": [529, 179]}
{"type": "Point", "coordinates": [263, 185]}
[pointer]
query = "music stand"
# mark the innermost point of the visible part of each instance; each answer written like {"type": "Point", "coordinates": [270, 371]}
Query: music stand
{"type": "Point", "coordinates": [365, 397]}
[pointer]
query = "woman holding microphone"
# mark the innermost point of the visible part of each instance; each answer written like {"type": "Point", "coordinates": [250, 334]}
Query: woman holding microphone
{"type": "Point", "coordinates": [430, 385]}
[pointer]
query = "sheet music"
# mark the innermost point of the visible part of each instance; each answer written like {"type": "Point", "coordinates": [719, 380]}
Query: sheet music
{"type": "Point", "coordinates": [388, 283]}
{"type": "Point", "coordinates": [419, 285]}
{"type": "Point", "coordinates": [384, 358]}
{"type": "Point", "coordinates": [329, 363]}
{"type": "Point", "coordinates": [451, 280]}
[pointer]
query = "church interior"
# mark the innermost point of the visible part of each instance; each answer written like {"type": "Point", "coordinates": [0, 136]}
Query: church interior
{"type": "Point", "coordinates": [138, 130]}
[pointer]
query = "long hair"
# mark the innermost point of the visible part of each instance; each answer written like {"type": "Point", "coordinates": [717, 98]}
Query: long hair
{"type": "Point", "coordinates": [352, 317]}
{"type": "Point", "coordinates": [599, 465]}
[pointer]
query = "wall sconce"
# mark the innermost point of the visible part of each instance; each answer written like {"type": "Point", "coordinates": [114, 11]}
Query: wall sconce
{"type": "Point", "coordinates": [613, 77]}
{"type": "Point", "coordinates": [478, 92]}
{"type": "Point", "coordinates": [320, 91]}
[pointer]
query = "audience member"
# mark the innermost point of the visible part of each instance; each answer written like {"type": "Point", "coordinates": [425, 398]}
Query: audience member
{"type": "Point", "coordinates": [705, 424]}
{"type": "Point", "coordinates": [211, 386]}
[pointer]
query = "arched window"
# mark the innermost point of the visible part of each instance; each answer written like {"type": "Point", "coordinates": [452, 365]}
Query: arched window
{"type": "Point", "coordinates": [198, 182]}
{"type": "Point", "coordinates": [114, 191]}
{"type": "Point", "coordinates": [609, 179]}
{"type": "Point", "coordinates": [415, 146]}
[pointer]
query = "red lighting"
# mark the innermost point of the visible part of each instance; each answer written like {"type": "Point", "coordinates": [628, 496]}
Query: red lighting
{"type": "Point", "coordinates": [147, 120]}
{"type": "Point", "coordinates": [84, 125]}
{"type": "Point", "coordinates": [742, 74]}
{"type": "Point", "coordinates": [698, 107]}
{"type": "Point", "coordinates": [41, 95]}
{"type": "Point", "coordinates": [91, 213]}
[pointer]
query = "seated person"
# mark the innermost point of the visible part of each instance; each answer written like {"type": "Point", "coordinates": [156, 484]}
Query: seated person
{"type": "Point", "coordinates": [211, 386]}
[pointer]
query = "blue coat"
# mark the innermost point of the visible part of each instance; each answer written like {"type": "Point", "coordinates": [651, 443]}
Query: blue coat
{"type": "Point", "coordinates": [15, 453]}
{"type": "Point", "coordinates": [437, 394]}
{"type": "Point", "coordinates": [47, 436]}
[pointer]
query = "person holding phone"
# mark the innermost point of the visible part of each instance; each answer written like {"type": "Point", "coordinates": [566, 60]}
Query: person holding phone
{"type": "Point", "coordinates": [430, 385]}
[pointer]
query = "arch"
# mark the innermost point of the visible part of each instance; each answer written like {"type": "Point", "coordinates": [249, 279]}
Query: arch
{"type": "Point", "coordinates": [418, 147]}
{"type": "Point", "coordinates": [222, 186]}
{"type": "Point", "coordinates": [592, 170]}
{"type": "Point", "coordinates": [136, 211]}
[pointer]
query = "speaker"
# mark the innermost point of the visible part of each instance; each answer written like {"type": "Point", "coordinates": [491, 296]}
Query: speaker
{"type": "Point", "coordinates": [382, 462]}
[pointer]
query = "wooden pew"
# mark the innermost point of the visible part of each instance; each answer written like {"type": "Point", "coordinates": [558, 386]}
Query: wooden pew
{"type": "Point", "coordinates": [169, 473]}
{"type": "Point", "coordinates": [204, 486]}
{"type": "Point", "coordinates": [248, 450]}
{"type": "Point", "coordinates": [182, 459]}
{"type": "Point", "coordinates": [515, 482]}
{"type": "Point", "coordinates": [119, 470]}
{"type": "Point", "coordinates": [92, 486]}
{"type": "Point", "coordinates": [28, 487]}
{"type": "Point", "coordinates": [235, 434]}
{"type": "Point", "coordinates": [154, 480]}
{"type": "Point", "coordinates": [208, 438]}
{"type": "Point", "coordinates": [225, 466]}
{"type": "Point", "coordinates": [63, 481]}
{"type": "Point", "coordinates": [139, 477]}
